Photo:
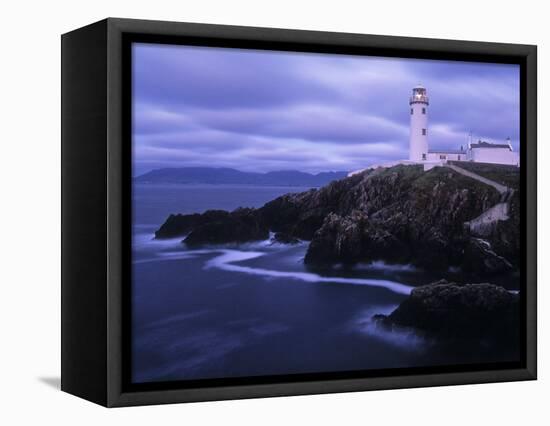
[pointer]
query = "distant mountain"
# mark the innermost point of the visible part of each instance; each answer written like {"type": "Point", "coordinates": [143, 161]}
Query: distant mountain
{"type": "Point", "coordinates": [218, 176]}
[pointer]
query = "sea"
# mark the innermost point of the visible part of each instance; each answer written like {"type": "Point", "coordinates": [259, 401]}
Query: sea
{"type": "Point", "coordinates": [255, 309]}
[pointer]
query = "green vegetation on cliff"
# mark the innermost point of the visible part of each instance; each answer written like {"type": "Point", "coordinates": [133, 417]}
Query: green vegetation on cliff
{"type": "Point", "coordinates": [500, 173]}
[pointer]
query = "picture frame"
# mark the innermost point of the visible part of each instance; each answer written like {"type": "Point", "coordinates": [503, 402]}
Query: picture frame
{"type": "Point", "coordinates": [96, 210]}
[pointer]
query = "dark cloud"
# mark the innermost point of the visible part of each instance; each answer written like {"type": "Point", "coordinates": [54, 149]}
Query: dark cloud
{"type": "Point", "coordinates": [260, 110]}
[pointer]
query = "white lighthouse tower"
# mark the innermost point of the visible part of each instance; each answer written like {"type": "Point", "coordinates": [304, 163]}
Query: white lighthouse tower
{"type": "Point", "coordinates": [418, 142]}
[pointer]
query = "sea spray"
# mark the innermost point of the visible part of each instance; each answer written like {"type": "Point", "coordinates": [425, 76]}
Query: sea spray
{"type": "Point", "coordinates": [403, 338]}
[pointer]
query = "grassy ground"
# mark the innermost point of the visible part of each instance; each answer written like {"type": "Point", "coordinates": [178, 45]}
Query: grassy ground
{"type": "Point", "coordinates": [501, 173]}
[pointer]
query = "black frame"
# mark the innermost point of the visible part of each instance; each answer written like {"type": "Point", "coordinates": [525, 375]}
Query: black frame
{"type": "Point", "coordinates": [96, 210]}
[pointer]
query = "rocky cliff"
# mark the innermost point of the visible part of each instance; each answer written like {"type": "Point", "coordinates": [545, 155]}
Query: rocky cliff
{"type": "Point", "coordinates": [398, 214]}
{"type": "Point", "coordinates": [452, 312]}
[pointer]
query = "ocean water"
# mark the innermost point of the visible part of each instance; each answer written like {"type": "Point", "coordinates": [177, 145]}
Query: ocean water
{"type": "Point", "coordinates": [255, 309]}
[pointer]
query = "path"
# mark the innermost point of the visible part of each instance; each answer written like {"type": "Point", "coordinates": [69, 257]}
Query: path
{"type": "Point", "coordinates": [499, 187]}
{"type": "Point", "coordinates": [483, 224]}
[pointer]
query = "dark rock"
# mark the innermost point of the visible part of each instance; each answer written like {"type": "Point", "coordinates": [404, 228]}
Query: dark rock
{"type": "Point", "coordinates": [505, 240]}
{"type": "Point", "coordinates": [403, 214]}
{"type": "Point", "coordinates": [239, 226]}
{"type": "Point", "coordinates": [480, 258]}
{"type": "Point", "coordinates": [452, 311]}
{"type": "Point", "coordinates": [180, 225]}
{"type": "Point", "coordinates": [283, 238]}
{"type": "Point", "coordinates": [302, 214]}
{"type": "Point", "coordinates": [351, 239]}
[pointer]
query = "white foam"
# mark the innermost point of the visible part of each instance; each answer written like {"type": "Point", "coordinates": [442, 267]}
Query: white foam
{"type": "Point", "coordinates": [379, 265]}
{"type": "Point", "coordinates": [148, 240]}
{"type": "Point", "coordinates": [228, 257]}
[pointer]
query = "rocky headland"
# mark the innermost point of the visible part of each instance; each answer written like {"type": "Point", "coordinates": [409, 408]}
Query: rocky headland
{"type": "Point", "coordinates": [399, 215]}
{"type": "Point", "coordinates": [439, 220]}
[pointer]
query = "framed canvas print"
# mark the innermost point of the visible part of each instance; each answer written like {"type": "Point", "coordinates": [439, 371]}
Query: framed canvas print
{"type": "Point", "coordinates": [253, 212]}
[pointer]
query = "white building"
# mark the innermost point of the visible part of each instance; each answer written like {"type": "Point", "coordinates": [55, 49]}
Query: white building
{"type": "Point", "coordinates": [485, 152]}
{"type": "Point", "coordinates": [479, 152]}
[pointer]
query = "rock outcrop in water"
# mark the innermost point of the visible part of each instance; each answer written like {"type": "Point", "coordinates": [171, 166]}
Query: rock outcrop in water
{"type": "Point", "coordinates": [216, 227]}
{"type": "Point", "coordinates": [398, 214]}
{"type": "Point", "coordinates": [450, 311]}
{"type": "Point", "coordinates": [178, 225]}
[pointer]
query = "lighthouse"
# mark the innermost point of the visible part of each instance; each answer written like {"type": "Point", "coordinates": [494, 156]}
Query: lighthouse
{"type": "Point", "coordinates": [480, 152]}
{"type": "Point", "coordinates": [418, 140]}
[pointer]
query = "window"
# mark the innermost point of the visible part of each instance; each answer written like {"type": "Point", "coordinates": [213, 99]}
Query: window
{"type": "Point", "coordinates": [442, 157]}
{"type": "Point", "coordinates": [423, 132]}
{"type": "Point", "coordinates": [423, 110]}
{"type": "Point", "coordinates": [423, 156]}
{"type": "Point", "coordinates": [459, 158]}
{"type": "Point", "coordinates": [411, 111]}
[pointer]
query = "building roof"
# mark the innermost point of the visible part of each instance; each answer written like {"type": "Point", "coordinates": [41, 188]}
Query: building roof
{"type": "Point", "coordinates": [445, 151]}
{"type": "Point", "coordinates": [483, 144]}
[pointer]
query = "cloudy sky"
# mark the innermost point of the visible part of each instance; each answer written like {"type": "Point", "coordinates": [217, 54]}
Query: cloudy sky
{"type": "Point", "coordinates": [262, 110]}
